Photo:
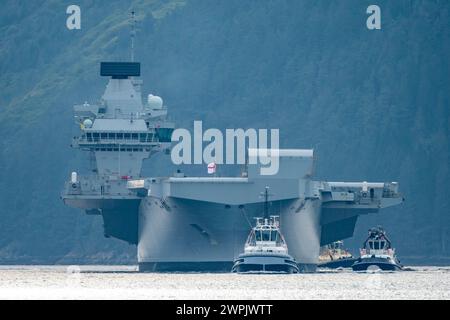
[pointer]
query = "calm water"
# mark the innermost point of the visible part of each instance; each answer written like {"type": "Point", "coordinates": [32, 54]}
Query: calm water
{"type": "Point", "coordinates": [119, 282]}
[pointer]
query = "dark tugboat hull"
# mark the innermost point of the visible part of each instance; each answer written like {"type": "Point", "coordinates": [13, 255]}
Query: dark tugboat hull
{"type": "Point", "coordinates": [265, 264]}
{"type": "Point", "coordinates": [340, 263]}
{"type": "Point", "coordinates": [380, 263]}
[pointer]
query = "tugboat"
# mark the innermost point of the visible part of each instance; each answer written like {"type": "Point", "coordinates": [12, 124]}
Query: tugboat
{"type": "Point", "coordinates": [377, 253]}
{"type": "Point", "coordinates": [265, 250]}
{"type": "Point", "coordinates": [335, 256]}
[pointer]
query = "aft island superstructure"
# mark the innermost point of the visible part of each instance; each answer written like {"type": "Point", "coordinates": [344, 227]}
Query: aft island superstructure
{"type": "Point", "coordinates": [200, 223]}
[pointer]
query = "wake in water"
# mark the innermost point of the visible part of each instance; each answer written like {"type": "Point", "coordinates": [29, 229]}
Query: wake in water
{"type": "Point", "coordinates": [124, 282]}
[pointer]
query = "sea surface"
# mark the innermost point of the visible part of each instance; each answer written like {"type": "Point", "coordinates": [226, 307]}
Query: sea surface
{"type": "Point", "coordinates": [124, 282]}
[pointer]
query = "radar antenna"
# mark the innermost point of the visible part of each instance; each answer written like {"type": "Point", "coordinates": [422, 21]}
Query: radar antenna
{"type": "Point", "coordinates": [266, 202]}
{"type": "Point", "coordinates": [132, 33]}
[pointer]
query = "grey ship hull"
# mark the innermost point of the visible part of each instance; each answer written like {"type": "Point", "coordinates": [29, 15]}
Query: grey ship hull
{"type": "Point", "coordinates": [201, 224]}
{"type": "Point", "coordinates": [187, 235]}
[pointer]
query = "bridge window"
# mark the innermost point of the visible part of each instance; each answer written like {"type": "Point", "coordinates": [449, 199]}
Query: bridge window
{"type": "Point", "coordinates": [119, 136]}
{"type": "Point", "coordinates": [95, 135]}
{"type": "Point", "coordinates": [104, 135]}
{"type": "Point", "coordinates": [111, 136]}
{"type": "Point", "coordinates": [164, 134]}
{"type": "Point", "coordinates": [266, 235]}
{"type": "Point", "coordinates": [126, 136]}
{"type": "Point", "coordinates": [273, 236]}
{"type": "Point", "coordinates": [377, 244]}
{"type": "Point", "coordinates": [142, 137]}
{"type": "Point", "coordinates": [134, 136]}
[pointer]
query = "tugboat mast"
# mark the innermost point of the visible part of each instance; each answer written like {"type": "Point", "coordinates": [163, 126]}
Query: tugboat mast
{"type": "Point", "coordinates": [266, 203]}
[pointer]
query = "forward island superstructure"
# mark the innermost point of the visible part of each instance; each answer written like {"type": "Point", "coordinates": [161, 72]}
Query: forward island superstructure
{"type": "Point", "coordinates": [200, 223]}
{"type": "Point", "coordinates": [118, 134]}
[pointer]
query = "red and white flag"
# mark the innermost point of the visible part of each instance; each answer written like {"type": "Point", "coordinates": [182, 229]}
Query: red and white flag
{"type": "Point", "coordinates": [211, 168]}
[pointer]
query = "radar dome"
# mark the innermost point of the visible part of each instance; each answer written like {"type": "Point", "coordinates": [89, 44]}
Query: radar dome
{"type": "Point", "coordinates": [87, 123]}
{"type": "Point", "coordinates": [155, 102]}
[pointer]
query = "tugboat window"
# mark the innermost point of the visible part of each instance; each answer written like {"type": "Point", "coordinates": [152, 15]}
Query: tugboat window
{"type": "Point", "coordinates": [274, 236]}
{"type": "Point", "coordinates": [377, 245]}
{"type": "Point", "coordinates": [258, 235]}
{"type": "Point", "coordinates": [266, 235]}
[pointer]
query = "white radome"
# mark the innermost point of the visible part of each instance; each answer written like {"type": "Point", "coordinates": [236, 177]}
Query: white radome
{"type": "Point", "coordinates": [155, 102]}
{"type": "Point", "coordinates": [87, 123]}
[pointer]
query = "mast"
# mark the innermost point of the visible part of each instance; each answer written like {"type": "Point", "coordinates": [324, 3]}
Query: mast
{"type": "Point", "coordinates": [266, 202]}
{"type": "Point", "coordinates": [132, 33]}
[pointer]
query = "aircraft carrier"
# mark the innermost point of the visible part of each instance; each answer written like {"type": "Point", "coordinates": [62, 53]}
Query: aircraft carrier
{"type": "Point", "coordinates": [200, 223]}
